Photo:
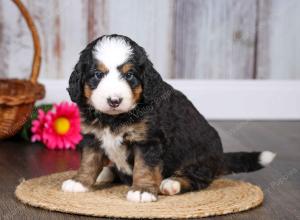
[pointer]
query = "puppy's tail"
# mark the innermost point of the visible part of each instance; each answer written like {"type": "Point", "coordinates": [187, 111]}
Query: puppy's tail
{"type": "Point", "coordinates": [239, 162]}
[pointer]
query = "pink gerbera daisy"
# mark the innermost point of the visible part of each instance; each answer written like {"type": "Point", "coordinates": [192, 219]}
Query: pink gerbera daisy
{"type": "Point", "coordinates": [62, 127]}
{"type": "Point", "coordinates": [38, 126]}
{"type": "Point", "coordinates": [58, 128]}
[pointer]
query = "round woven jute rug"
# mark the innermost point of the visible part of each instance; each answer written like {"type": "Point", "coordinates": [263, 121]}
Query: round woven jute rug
{"type": "Point", "coordinates": [224, 196]}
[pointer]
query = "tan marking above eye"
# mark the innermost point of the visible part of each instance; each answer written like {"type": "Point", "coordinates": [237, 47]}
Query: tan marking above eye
{"type": "Point", "coordinates": [102, 68]}
{"type": "Point", "coordinates": [125, 68]}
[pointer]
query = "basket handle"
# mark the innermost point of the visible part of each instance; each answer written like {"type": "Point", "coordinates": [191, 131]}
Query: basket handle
{"type": "Point", "coordinates": [36, 63]}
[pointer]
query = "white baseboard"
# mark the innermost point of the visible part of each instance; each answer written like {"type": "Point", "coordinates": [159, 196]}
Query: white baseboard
{"type": "Point", "coordinates": [224, 99]}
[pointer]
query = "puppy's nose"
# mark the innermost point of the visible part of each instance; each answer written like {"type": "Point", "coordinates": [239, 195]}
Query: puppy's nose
{"type": "Point", "coordinates": [114, 102]}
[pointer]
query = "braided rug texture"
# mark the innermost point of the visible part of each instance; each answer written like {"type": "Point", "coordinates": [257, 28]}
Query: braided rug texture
{"type": "Point", "coordinates": [224, 196]}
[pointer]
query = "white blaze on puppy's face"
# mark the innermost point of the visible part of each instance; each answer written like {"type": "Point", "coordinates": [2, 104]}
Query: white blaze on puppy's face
{"type": "Point", "coordinates": [112, 52]}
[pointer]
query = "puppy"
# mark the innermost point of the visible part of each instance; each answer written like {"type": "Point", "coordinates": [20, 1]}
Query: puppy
{"type": "Point", "coordinates": [140, 131]}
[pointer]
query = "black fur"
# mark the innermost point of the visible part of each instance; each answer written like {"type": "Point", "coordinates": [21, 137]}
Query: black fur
{"type": "Point", "coordinates": [178, 136]}
{"type": "Point", "coordinates": [239, 162]}
{"type": "Point", "coordinates": [89, 140]}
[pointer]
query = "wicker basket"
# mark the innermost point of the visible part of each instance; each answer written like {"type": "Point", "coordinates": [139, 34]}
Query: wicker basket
{"type": "Point", "coordinates": [17, 97]}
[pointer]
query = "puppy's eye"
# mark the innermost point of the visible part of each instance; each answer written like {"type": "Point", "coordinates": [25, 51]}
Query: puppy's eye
{"type": "Point", "coordinates": [129, 76]}
{"type": "Point", "coordinates": [99, 74]}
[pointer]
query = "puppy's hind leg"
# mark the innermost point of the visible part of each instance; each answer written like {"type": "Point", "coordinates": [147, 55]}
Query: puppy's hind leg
{"type": "Point", "coordinates": [187, 179]}
{"type": "Point", "coordinates": [174, 185]}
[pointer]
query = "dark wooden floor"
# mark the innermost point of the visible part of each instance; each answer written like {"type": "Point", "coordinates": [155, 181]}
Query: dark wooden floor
{"type": "Point", "coordinates": [280, 181]}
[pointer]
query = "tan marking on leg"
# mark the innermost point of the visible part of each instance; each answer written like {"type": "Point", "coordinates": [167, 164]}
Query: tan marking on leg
{"type": "Point", "coordinates": [184, 181]}
{"type": "Point", "coordinates": [145, 178]}
{"type": "Point", "coordinates": [92, 162]}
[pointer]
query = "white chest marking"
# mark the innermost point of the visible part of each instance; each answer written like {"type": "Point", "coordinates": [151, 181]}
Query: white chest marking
{"type": "Point", "coordinates": [116, 152]}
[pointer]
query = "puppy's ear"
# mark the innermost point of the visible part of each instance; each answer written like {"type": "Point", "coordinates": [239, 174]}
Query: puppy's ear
{"type": "Point", "coordinates": [76, 84]}
{"type": "Point", "coordinates": [78, 76]}
{"type": "Point", "coordinates": [153, 85]}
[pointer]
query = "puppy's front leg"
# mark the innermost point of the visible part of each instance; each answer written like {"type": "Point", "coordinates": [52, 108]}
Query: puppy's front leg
{"type": "Point", "coordinates": [146, 180]}
{"type": "Point", "coordinates": [92, 162]}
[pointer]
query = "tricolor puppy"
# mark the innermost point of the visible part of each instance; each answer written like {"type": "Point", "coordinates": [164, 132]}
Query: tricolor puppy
{"type": "Point", "coordinates": [140, 131]}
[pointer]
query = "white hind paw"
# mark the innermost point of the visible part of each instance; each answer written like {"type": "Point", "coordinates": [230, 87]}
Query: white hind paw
{"type": "Point", "coordinates": [169, 187]}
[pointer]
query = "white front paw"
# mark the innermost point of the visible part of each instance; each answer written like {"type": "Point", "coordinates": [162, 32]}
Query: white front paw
{"type": "Point", "coordinates": [169, 187]}
{"type": "Point", "coordinates": [138, 196]}
{"type": "Point", "coordinates": [73, 186]}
